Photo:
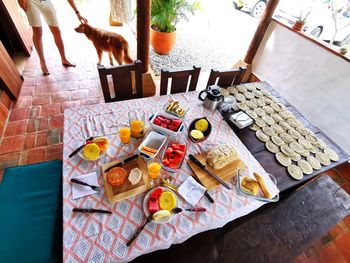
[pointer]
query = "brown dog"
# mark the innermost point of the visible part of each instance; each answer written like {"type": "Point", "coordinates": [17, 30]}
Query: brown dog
{"type": "Point", "coordinates": [110, 42]}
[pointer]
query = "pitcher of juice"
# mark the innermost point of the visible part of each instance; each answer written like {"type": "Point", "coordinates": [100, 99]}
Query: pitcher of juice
{"type": "Point", "coordinates": [137, 123]}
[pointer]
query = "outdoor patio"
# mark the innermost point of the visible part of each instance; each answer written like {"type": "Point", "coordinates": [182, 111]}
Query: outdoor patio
{"type": "Point", "coordinates": [34, 129]}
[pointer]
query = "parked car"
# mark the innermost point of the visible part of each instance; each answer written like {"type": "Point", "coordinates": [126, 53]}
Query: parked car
{"type": "Point", "coordinates": [318, 24]}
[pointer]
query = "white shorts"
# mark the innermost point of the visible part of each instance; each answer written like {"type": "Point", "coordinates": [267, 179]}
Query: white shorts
{"type": "Point", "coordinates": [44, 7]}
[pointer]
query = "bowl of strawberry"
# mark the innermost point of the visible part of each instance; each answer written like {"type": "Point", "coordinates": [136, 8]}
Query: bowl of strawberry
{"type": "Point", "coordinates": [173, 155]}
{"type": "Point", "coordinates": [165, 124]}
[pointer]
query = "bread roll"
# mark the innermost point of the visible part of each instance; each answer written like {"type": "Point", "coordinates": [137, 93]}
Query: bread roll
{"type": "Point", "coordinates": [221, 155]}
{"type": "Point", "coordinates": [249, 185]}
{"type": "Point", "coordinates": [263, 185]}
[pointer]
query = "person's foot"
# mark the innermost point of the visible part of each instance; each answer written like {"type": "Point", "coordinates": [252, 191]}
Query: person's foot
{"type": "Point", "coordinates": [66, 64]}
{"type": "Point", "coordinates": [44, 69]}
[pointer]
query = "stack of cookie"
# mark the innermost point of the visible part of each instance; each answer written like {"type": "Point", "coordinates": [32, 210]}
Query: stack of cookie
{"type": "Point", "coordinates": [294, 146]}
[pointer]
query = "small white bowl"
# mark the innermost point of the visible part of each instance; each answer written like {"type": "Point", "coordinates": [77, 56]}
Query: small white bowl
{"type": "Point", "coordinates": [145, 206]}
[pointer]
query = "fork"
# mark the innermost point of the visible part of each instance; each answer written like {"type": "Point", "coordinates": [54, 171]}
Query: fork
{"type": "Point", "coordinates": [93, 187]}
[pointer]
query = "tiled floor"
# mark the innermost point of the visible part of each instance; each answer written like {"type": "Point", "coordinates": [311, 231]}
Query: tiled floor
{"type": "Point", "coordinates": [35, 125]}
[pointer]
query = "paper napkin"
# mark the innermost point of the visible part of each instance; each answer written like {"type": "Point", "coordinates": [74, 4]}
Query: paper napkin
{"type": "Point", "coordinates": [82, 190]}
{"type": "Point", "coordinates": [191, 191]}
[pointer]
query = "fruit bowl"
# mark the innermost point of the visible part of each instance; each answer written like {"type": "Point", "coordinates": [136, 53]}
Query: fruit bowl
{"type": "Point", "coordinates": [146, 210]}
{"type": "Point", "coordinates": [206, 133]}
{"type": "Point", "coordinates": [165, 123]}
{"type": "Point", "coordinates": [99, 144]}
{"type": "Point", "coordinates": [176, 148]}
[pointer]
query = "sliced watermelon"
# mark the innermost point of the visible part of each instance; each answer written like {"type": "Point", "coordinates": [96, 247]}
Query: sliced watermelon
{"type": "Point", "coordinates": [153, 205]}
{"type": "Point", "coordinates": [156, 193]}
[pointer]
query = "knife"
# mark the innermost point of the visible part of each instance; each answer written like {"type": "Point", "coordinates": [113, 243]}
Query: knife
{"type": "Point", "coordinates": [202, 166]}
{"type": "Point", "coordinates": [79, 148]}
{"type": "Point", "coordinates": [122, 163]}
{"type": "Point", "coordinates": [206, 193]}
{"type": "Point", "coordinates": [91, 210]}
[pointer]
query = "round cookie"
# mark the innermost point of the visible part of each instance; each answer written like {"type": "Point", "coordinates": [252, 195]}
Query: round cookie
{"type": "Point", "coordinates": [277, 140]}
{"type": "Point", "coordinates": [265, 92]}
{"type": "Point", "coordinates": [286, 114]}
{"type": "Point", "coordinates": [251, 104]}
{"type": "Point", "coordinates": [268, 101]}
{"type": "Point", "coordinates": [262, 136]}
{"type": "Point", "coordinates": [260, 123]}
{"type": "Point", "coordinates": [249, 95]}
{"type": "Point", "coordinates": [260, 112]}
{"type": "Point", "coordinates": [285, 125]}
{"type": "Point", "coordinates": [303, 131]}
{"type": "Point", "coordinates": [331, 154]}
{"type": "Point", "coordinates": [224, 92]}
{"type": "Point", "coordinates": [259, 102]}
{"type": "Point", "coordinates": [296, 157]}
{"type": "Point", "coordinates": [240, 97]}
{"type": "Point", "coordinates": [257, 93]}
{"type": "Point", "coordinates": [268, 131]}
{"type": "Point", "coordinates": [252, 114]}
{"type": "Point", "coordinates": [277, 128]}
{"type": "Point", "coordinates": [268, 119]}
{"type": "Point", "coordinates": [250, 87]}
{"type": "Point", "coordinates": [305, 152]}
{"type": "Point", "coordinates": [287, 150]}
{"type": "Point", "coordinates": [306, 144]}
{"type": "Point", "coordinates": [296, 135]}
{"type": "Point", "coordinates": [283, 159]}
{"type": "Point", "coordinates": [278, 107]}
{"type": "Point", "coordinates": [241, 88]}
{"type": "Point", "coordinates": [243, 106]}
{"type": "Point", "coordinates": [268, 109]}
{"type": "Point", "coordinates": [311, 138]}
{"type": "Point", "coordinates": [286, 137]}
{"type": "Point", "coordinates": [294, 122]}
{"type": "Point", "coordinates": [305, 167]}
{"type": "Point", "coordinates": [296, 147]}
{"type": "Point", "coordinates": [315, 164]}
{"type": "Point", "coordinates": [276, 117]}
{"type": "Point", "coordinates": [321, 144]}
{"type": "Point", "coordinates": [295, 172]}
{"type": "Point", "coordinates": [233, 90]}
{"type": "Point", "coordinates": [323, 158]}
{"type": "Point", "coordinates": [272, 147]}
{"type": "Point", "coordinates": [254, 127]}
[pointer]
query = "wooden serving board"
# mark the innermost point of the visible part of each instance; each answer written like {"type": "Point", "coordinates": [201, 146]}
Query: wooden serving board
{"type": "Point", "coordinates": [115, 194]}
{"type": "Point", "coordinates": [225, 173]}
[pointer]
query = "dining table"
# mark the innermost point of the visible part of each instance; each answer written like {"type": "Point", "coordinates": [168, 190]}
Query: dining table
{"type": "Point", "coordinates": [103, 238]}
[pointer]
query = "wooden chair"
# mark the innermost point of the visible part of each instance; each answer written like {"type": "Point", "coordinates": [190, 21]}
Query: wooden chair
{"type": "Point", "coordinates": [226, 78]}
{"type": "Point", "coordinates": [179, 81]}
{"type": "Point", "coordinates": [127, 81]}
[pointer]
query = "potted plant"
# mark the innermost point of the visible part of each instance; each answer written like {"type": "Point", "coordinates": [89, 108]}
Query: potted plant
{"type": "Point", "coordinates": [165, 14]}
{"type": "Point", "coordinates": [300, 22]}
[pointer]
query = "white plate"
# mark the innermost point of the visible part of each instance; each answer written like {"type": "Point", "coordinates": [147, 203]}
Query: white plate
{"type": "Point", "coordinates": [145, 206]}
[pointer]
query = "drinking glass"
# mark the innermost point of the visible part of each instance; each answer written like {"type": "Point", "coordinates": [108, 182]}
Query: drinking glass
{"type": "Point", "coordinates": [137, 123]}
{"type": "Point", "coordinates": [154, 168]}
{"type": "Point", "coordinates": [124, 134]}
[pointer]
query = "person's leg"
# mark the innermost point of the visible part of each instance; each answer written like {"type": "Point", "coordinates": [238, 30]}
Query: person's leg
{"type": "Point", "coordinates": [56, 32]}
{"type": "Point", "coordinates": [38, 44]}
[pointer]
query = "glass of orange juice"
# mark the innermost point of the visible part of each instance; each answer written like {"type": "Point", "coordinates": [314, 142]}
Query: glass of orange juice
{"type": "Point", "coordinates": [124, 134]}
{"type": "Point", "coordinates": [154, 167]}
{"type": "Point", "coordinates": [137, 123]}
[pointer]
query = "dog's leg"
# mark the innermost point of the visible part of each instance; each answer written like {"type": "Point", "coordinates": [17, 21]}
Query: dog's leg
{"type": "Point", "coordinates": [99, 54]}
{"type": "Point", "coordinates": [110, 58]}
{"type": "Point", "coordinates": [118, 55]}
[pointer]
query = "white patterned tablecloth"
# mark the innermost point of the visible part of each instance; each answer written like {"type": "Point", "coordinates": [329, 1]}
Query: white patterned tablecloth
{"type": "Point", "coordinates": [103, 238]}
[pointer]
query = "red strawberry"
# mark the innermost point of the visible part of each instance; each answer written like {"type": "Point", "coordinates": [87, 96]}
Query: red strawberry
{"type": "Point", "coordinates": [157, 121]}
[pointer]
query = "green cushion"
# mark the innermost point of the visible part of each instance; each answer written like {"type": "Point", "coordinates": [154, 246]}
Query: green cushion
{"type": "Point", "coordinates": [31, 213]}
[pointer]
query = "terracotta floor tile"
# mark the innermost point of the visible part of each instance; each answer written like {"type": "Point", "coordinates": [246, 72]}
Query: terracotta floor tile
{"type": "Point", "coordinates": [60, 96]}
{"type": "Point", "coordinates": [9, 159]}
{"type": "Point", "coordinates": [346, 221]}
{"type": "Point", "coordinates": [19, 114]}
{"type": "Point", "coordinates": [36, 155]}
{"type": "Point", "coordinates": [36, 125]}
{"type": "Point", "coordinates": [56, 121]}
{"type": "Point", "coordinates": [332, 254]}
{"type": "Point", "coordinates": [343, 244]}
{"type": "Point", "coordinates": [50, 109]}
{"type": "Point", "coordinates": [23, 102]}
{"type": "Point", "coordinates": [70, 104]}
{"type": "Point", "coordinates": [15, 128]}
{"type": "Point", "coordinates": [34, 112]}
{"type": "Point", "coordinates": [12, 144]}
{"type": "Point", "coordinates": [29, 141]}
{"type": "Point", "coordinates": [80, 94]}
{"type": "Point", "coordinates": [41, 100]}
{"type": "Point", "coordinates": [41, 139]}
{"type": "Point", "coordinates": [336, 231]}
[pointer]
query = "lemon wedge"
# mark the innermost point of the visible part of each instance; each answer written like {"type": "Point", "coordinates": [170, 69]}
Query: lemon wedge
{"type": "Point", "coordinates": [91, 151]}
{"type": "Point", "coordinates": [196, 134]}
{"type": "Point", "coordinates": [167, 201]}
{"type": "Point", "coordinates": [201, 125]}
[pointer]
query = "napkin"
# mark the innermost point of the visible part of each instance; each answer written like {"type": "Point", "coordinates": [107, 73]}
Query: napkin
{"type": "Point", "coordinates": [82, 190]}
{"type": "Point", "coordinates": [191, 191]}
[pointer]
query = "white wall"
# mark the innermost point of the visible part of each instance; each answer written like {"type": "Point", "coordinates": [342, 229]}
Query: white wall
{"type": "Point", "coordinates": [314, 80]}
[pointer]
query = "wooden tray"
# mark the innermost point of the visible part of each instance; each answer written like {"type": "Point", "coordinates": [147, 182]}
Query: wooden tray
{"type": "Point", "coordinates": [115, 194]}
{"type": "Point", "coordinates": [225, 173]}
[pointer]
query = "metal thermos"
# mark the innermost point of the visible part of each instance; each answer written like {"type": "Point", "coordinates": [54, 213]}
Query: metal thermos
{"type": "Point", "coordinates": [212, 97]}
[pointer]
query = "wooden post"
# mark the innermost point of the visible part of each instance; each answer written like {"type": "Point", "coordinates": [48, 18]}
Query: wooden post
{"type": "Point", "coordinates": [143, 32]}
{"type": "Point", "coordinates": [260, 31]}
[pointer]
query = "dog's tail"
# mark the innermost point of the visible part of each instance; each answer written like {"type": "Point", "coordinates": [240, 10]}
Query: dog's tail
{"type": "Point", "coordinates": [127, 58]}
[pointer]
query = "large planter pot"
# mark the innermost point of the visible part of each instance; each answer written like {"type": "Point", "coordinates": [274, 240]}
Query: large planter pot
{"type": "Point", "coordinates": [298, 25]}
{"type": "Point", "coordinates": [162, 42]}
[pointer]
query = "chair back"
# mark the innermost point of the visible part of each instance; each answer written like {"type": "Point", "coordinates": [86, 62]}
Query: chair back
{"type": "Point", "coordinates": [125, 84]}
{"type": "Point", "coordinates": [226, 78]}
{"type": "Point", "coordinates": [181, 81]}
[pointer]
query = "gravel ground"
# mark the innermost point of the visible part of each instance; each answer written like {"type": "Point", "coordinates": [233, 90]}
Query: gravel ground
{"type": "Point", "coordinates": [192, 48]}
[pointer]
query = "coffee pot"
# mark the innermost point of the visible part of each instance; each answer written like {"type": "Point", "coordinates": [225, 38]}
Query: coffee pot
{"type": "Point", "coordinates": [211, 97]}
